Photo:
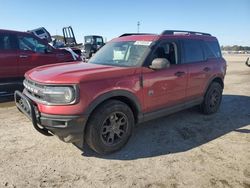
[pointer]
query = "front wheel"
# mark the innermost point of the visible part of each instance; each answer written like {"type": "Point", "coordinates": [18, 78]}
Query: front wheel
{"type": "Point", "coordinates": [212, 99]}
{"type": "Point", "coordinates": [109, 127]}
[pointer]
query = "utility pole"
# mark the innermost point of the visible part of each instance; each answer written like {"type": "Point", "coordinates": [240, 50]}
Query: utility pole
{"type": "Point", "coordinates": [138, 26]}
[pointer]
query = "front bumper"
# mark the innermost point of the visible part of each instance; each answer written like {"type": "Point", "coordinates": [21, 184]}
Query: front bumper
{"type": "Point", "coordinates": [67, 128]}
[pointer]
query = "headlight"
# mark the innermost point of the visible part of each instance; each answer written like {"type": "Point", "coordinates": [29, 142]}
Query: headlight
{"type": "Point", "coordinates": [60, 95]}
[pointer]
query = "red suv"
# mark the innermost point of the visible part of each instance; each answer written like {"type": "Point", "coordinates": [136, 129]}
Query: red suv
{"type": "Point", "coordinates": [22, 51]}
{"type": "Point", "coordinates": [132, 79]}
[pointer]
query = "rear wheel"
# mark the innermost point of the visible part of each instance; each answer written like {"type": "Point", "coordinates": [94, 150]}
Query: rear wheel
{"type": "Point", "coordinates": [212, 98]}
{"type": "Point", "coordinates": [109, 127]}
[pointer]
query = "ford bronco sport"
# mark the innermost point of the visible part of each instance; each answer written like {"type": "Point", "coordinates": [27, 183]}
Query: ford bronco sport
{"type": "Point", "coordinates": [132, 79]}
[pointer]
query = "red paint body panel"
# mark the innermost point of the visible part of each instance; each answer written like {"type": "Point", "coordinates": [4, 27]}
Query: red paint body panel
{"type": "Point", "coordinates": [107, 79]}
{"type": "Point", "coordinates": [163, 88]}
{"type": "Point", "coordinates": [9, 61]}
{"type": "Point", "coordinates": [136, 38]}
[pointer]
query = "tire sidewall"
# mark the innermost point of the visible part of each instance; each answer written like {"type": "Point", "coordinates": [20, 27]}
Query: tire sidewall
{"type": "Point", "coordinates": [206, 103]}
{"type": "Point", "coordinates": [96, 122]}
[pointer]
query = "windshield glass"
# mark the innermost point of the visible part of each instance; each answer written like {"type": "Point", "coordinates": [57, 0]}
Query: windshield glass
{"type": "Point", "coordinates": [88, 39]}
{"type": "Point", "coordinates": [125, 54]}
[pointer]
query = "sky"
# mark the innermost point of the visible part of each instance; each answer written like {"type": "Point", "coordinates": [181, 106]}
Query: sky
{"type": "Point", "coordinates": [228, 20]}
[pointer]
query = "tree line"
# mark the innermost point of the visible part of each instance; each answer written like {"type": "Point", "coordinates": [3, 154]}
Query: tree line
{"type": "Point", "coordinates": [235, 48]}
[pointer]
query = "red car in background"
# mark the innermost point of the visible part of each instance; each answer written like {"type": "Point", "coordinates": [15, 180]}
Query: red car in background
{"type": "Point", "coordinates": [22, 51]}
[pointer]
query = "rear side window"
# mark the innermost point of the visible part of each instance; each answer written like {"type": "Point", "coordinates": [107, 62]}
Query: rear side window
{"type": "Point", "coordinates": [192, 51]}
{"type": "Point", "coordinates": [99, 41]}
{"type": "Point", "coordinates": [213, 49]}
{"type": "Point", "coordinates": [6, 42]}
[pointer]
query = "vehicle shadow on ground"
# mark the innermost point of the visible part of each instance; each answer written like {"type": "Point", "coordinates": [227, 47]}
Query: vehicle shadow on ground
{"type": "Point", "coordinates": [8, 96]}
{"type": "Point", "coordinates": [183, 131]}
{"type": "Point", "coordinates": [4, 99]}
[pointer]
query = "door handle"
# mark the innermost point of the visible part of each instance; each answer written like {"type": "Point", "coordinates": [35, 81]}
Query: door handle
{"type": "Point", "coordinates": [206, 69]}
{"type": "Point", "coordinates": [23, 56]}
{"type": "Point", "coordinates": [179, 74]}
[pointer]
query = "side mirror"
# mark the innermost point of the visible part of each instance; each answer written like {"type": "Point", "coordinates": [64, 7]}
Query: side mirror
{"type": "Point", "coordinates": [160, 63]}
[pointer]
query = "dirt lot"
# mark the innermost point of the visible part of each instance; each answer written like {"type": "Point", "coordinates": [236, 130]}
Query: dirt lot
{"type": "Point", "coordinates": [186, 149]}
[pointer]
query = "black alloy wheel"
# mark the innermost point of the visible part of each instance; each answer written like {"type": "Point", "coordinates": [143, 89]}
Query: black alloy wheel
{"type": "Point", "coordinates": [212, 98]}
{"type": "Point", "coordinates": [114, 128]}
{"type": "Point", "coordinates": [109, 127]}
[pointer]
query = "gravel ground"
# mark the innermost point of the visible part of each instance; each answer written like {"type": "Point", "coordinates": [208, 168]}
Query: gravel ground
{"type": "Point", "coordinates": [186, 149]}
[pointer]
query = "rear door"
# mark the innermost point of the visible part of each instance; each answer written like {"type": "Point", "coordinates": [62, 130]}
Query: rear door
{"type": "Point", "coordinates": [34, 53]}
{"type": "Point", "coordinates": [8, 56]}
{"type": "Point", "coordinates": [199, 68]}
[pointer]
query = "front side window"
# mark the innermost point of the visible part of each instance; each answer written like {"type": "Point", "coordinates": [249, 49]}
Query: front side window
{"type": "Point", "coordinates": [99, 41]}
{"type": "Point", "coordinates": [192, 51]}
{"type": "Point", "coordinates": [167, 50]}
{"type": "Point", "coordinates": [30, 43]}
{"type": "Point", "coordinates": [126, 54]}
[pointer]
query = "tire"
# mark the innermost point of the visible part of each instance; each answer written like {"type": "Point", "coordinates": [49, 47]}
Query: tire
{"type": "Point", "coordinates": [109, 127]}
{"type": "Point", "coordinates": [212, 98]}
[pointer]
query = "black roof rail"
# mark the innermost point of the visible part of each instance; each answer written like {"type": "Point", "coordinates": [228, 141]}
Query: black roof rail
{"type": "Point", "coordinates": [129, 34]}
{"type": "Point", "coordinates": [172, 32]}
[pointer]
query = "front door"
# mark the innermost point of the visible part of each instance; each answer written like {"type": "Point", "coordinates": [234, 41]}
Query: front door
{"type": "Point", "coordinates": [33, 53]}
{"type": "Point", "coordinates": [166, 87]}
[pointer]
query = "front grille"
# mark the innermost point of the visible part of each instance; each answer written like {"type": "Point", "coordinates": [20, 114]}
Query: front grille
{"type": "Point", "coordinates": [34, 90]}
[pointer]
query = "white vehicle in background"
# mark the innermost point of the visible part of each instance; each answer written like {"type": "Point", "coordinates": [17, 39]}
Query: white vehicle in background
{"type": "Point", "coordinates": [42, 33]}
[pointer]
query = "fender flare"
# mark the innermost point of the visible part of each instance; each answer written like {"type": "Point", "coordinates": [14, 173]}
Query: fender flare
{"type": "Point", "coordinates": [111, 94]}
{"type": "Point", "coordinates": [211, 80]}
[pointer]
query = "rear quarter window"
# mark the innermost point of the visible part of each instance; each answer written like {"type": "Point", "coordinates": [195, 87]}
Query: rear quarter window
{"type": "Point", "coordinates": [213, 48]}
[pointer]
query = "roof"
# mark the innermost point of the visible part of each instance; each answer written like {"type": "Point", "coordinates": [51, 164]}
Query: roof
{"type": "Point", "coordinates": [136, 38]}
{"type": "Point", "coordinates": [10, 31]}
{"type": "Point", "coordinates": [93, 36]}
{"type": "Point", "coordinates": [167, 34]}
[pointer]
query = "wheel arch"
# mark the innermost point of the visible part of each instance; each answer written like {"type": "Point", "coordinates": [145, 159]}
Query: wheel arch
{"type": "Point", "coordinates": [122, 95]}
{"type": "Point", "coordinates": [217, 79]}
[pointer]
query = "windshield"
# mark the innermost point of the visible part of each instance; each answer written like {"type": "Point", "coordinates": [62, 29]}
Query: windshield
{"type": "Point", "coordinates": [125, 54]}
{"type": "Point", "coordinates": [89, 39]}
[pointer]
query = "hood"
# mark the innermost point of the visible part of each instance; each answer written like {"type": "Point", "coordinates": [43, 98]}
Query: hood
{"type": "Point", "coordinates": [73, 73]}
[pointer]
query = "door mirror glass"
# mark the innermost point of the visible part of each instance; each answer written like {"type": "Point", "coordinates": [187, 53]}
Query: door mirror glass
{"type": "Point", "coordinates": [160, 63]}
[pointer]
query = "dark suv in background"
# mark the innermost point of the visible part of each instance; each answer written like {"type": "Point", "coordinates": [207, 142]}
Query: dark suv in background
{"type": "Point", "coordinates": [131, 79]}
{"type": "Point", "coordinates": [92, 43]}
{"type": "Point", "coordinates": [22, 51]}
